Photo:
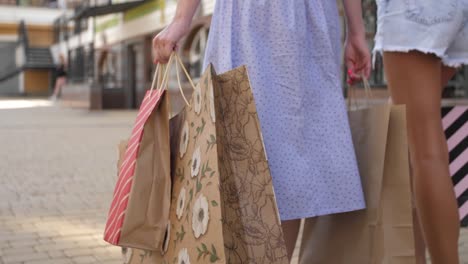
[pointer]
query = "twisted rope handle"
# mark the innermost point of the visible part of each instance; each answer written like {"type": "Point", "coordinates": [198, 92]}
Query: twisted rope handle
{"type": "Point", "coordinates": [163, 83]}
{"type": "Point", "coordinates": [352, 93]}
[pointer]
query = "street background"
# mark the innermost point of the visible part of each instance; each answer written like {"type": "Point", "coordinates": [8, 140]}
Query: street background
{"type": "Point", "coordinates": [58, 169]}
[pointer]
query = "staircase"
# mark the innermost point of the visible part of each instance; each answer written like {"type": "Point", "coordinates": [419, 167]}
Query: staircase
{"type": "Point", "coordinates": [35, 58]}
{"type": "Point", "coordinates": [39, 58]}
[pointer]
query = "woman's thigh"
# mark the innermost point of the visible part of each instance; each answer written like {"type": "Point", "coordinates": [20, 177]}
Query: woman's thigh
{"type": "Point", "coordinates": [414, 79]}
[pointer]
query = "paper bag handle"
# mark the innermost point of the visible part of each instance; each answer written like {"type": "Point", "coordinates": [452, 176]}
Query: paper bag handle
{"type": "Point", "coordinates": [165, 77]}
{"type": "Point", "coordinates": [352, 94]}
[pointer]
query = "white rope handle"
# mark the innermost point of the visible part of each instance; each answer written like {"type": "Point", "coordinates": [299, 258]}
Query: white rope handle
{"type": "Point", "coordinates": [352, 93]}
{"type": "Point", "coordinates": [162, 84]}
{"type": "Point", "coordinates": [165, 79]}
{"type": "Point", "coordinates": [180, 85]}
{"type": "Point", "coordinates": [185, 70]}
{"type": "Point", "coordinates": [155, 76]}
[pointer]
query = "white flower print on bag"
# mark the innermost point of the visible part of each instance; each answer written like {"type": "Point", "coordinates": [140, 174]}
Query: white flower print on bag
{"type": "Point", "coordinates": [180, 203]}
{"type": "Point", "coordinates": [197, 98]}
{"type": "Point", "coordinates": [212, 103]}
{"type": "Point", "coordinates": [196, 161]}
{"type": "Point", "coordinates": [183, 257]}
{"type": "Point", "coordinates": [127, 255]}
{"type": "Point", "coordinates": [184, 139]}
{"type": "Point", "coordinates": [168, 238]}
{"type": "Point", "coordinates": [200, 216]}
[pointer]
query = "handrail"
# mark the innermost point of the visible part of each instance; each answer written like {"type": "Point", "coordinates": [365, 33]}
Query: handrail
{"type": "Point", "coordinates": [23, 41]}
{"type": "Point", "coordinates": [15, 67]}
{"type": "Point", "coordinates": [10, 74]}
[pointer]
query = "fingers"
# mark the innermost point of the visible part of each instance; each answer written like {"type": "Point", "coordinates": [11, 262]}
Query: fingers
{"type": "Point", "coordinates": [162, 49]}
{"type": "Point", "coordinates": [352, 76]}
{"type": "Point", "coordinates": [364, 68]}
{"type": "Point", "coordinates": [356, 71]}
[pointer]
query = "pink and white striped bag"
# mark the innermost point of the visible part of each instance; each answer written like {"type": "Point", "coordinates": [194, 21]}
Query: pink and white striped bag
{"type": "Point", "coordinates": [455, 123]}
{"type": "Point", "coordinates": [139, 211]}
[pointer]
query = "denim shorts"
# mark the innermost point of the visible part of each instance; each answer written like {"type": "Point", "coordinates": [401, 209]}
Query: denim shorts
{"type": "Point", "coordinates": [439, 27]}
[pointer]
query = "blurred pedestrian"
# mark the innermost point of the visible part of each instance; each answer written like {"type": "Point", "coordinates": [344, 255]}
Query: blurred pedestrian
{"type": "Point", "coordinates": [103, 65]}
{"type": "Point", "coordinates": [292, 50]}
{"type": "Point", "coordinates": [61, 77]}
{"type": "Point", "coordinates": [423, 42]}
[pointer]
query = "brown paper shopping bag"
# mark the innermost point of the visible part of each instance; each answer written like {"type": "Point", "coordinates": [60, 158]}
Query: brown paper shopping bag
{"type": "Point", "coordinates": [383, 232]}
{"type": "Point", "coordinates": [223, 208]}
{"type": "Point", "coordinates": [139, 211]}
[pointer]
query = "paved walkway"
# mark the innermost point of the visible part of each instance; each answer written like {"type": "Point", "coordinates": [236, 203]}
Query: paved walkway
{"type": "Point", "coordinates": [57, 173]}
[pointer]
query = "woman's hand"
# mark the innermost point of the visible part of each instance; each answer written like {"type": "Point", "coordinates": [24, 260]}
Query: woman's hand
{"type": "Point", "coordinates": [357, 58]}
{"type": "Point", "coordinates": [166, 41]}
{"type": "Point", "coordinates": [357, 55]}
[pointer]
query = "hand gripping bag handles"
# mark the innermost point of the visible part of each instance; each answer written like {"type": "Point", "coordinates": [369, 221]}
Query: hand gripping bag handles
{"type": "Point", "coordinates": [139, 211]}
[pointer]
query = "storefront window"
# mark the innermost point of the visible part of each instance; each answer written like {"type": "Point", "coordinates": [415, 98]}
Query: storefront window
{"type": "Point", "coordinates": [76, 65]}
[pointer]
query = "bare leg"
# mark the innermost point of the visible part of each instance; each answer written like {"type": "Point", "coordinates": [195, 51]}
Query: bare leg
{"type": "Point", "coordinates": [415, 80]}
{"type": "Point", "coordinates": [290, 232]}
{"type": "Point", "coordinates": [419, 244]}
{"type": "Point", "coordinates": [58, 85]}
{"type": "Point", "coordinates": [447, 75]}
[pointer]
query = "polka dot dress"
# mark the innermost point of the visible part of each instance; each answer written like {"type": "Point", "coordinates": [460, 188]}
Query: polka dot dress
{"type": "Point", "coordinates": [292, 53]}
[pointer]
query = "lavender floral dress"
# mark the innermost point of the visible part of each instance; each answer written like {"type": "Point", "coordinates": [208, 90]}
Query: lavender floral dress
{"type": "Point", "coordinates": [292, 52]}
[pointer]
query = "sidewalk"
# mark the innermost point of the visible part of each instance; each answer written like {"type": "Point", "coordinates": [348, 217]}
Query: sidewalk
{"type": "Point", "coordinates": [57, 174]}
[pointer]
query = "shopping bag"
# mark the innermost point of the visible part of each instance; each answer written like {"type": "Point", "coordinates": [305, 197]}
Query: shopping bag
{"type": "Point", "coordinates": [455, 123]}
{"type": "Point", "coordinates": [122, 148]}
{"type": "Point", "coordinates": [223, 207]}
{"type": "Point", "coordinates": [139, 211]}
{"type": "Point", "coordinates": [382, 233]}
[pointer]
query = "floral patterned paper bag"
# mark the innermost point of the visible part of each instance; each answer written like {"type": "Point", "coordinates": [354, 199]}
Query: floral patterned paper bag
{"type": "Point", "coordinates": [223, 207]}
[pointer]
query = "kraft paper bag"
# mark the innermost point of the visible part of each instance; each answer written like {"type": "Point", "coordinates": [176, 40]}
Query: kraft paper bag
{"type": "Point", "coordinates": [382, 233]}
{"type": "Point", "coordinates": [122, 148]}
{"type": "Point", "coordinates": [223, 207]}
{"type": "Point", "coordinates": [139, 212]}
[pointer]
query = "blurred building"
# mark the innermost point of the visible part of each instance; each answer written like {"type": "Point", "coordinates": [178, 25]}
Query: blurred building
{"type": "Point", "coordinates": [26, 34]}
{"type": "Point", "coordinates": [107, 44]}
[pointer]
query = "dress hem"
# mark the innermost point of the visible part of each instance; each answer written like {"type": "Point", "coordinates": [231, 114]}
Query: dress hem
{"type": "Point", "coordinates": [323, 212]}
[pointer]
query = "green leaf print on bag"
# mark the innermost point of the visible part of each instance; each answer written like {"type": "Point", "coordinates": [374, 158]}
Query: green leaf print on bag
{"type": "Point", "coordinates": [180, 174]}
{"type": "Point", "coordinates": [199, 186]}
{"type": "Point", "coordinates": [180, 235]}
{"type": "Point", "coordinates": [205, 169]}
{"type": "Point", "coordinates": [204, 252]}
{"type": "Point", "coordinates": [199, 130]}
{"type": "Point", "coordinates": [210, 143]}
